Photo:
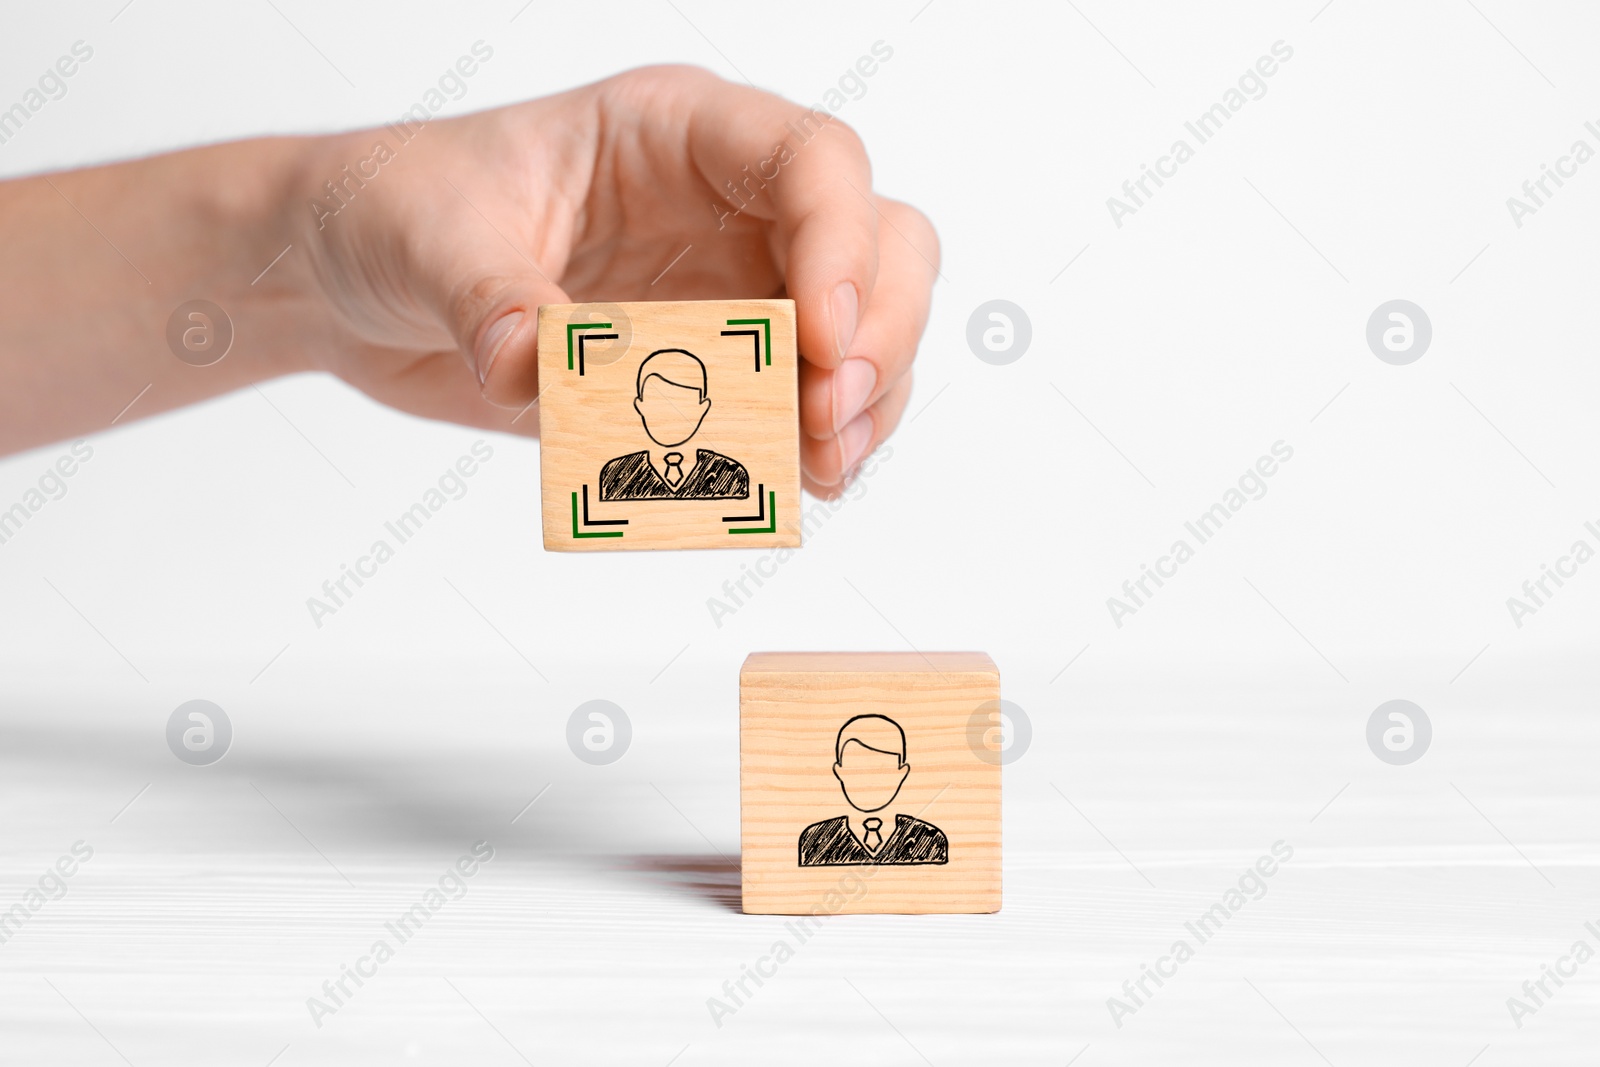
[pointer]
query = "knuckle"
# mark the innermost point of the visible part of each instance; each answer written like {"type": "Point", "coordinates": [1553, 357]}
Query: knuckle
{"type": "Point", "coordinates": [664, 75]}
{"type": "Point", "coordinates": [915, 225]}
{"type": "Point", "coordinates": [851, 138]}
{"type": "Point", "coordinates": [663, 84]}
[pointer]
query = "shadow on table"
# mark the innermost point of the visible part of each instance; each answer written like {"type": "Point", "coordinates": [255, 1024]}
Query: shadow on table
{"type": "Point", "coordinates": [363, 801]}
{"type": "Point", "coordinates": [358, 806]}
{"type": "Point", "coordinates": [711, 878]}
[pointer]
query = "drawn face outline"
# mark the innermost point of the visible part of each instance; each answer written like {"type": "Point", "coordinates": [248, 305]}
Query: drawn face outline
{"type": "Point", "coordinates": [869, 778]}
{"type": "Point", "coordinates": [671, 414]}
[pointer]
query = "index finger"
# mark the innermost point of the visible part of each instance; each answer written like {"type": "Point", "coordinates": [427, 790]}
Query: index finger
{"type": "Point", "coordinates": [808, 174]}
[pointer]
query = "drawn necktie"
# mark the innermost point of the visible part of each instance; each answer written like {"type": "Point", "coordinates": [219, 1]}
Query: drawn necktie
{"type": "Point", "coordinates": [674, 471]}
{"type": "Point", "coordinates": [873, 839]}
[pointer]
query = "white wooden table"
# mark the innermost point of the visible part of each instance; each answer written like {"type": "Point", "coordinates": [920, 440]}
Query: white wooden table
{"type": "Point", "coordinates": [221, 899]}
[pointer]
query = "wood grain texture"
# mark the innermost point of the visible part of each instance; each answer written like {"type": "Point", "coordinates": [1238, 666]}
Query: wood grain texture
{"type": "Point", "coordinates": [607, 484]}
{"type": "Point", "coordinates": [939, 847]}
{"type": "Point", "coordinates": [216, 901]}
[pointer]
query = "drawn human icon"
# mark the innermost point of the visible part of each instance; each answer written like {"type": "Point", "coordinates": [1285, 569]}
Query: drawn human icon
{"type": "Point", "coordinates": [672, 400]}
{"type": "Point", "coordinates": [870, 764]}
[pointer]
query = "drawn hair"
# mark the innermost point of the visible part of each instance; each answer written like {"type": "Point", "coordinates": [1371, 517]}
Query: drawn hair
{"type": "Point", "coordinates": [877, 732]}
{"type": "Point", "coordinates": [675, 367]}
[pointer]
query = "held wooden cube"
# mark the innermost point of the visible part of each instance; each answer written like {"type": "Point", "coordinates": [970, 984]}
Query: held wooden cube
{"type": "Point", "coordinates": [669, 425]}
{"type": "Point", "coordinates": [869, 782]}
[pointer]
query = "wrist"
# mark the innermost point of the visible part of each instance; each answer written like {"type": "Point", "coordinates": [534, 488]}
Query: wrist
{"type": "Point", "coordinates": [227, 237]}
{"type": "Point", "coordinates": [267, 254]}
{"type": "Point", "coordinates": [327, 204]}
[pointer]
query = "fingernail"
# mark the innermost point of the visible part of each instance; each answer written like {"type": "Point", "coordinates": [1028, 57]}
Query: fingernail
{"type": "Point", "coordinates": [845, 307]}
{"type": "Point", "coordinates": [853, 441]}
{"type": "Point", "coordinates": [853, 384]}
{"type": "Point", "coordinates": [494, 339]}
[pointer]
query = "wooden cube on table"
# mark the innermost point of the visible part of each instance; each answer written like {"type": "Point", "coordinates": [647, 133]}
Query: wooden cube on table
{"type": "Point", "coordinates": [869, 782]}
{"type": "Point", "coordinates": [669, 425]}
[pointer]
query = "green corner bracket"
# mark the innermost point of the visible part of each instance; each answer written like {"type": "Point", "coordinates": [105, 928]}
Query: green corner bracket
{"type": "Point", "coordinates": [766, 333]}
{"type": "Point", "coordinates": [571, 326]}
{"type": "Point", "coordinates": [583, 533]}
{"type": "Point", "coordinates": [772, 513]}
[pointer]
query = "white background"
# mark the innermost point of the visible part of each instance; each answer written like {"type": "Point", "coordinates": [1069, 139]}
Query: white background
{"type": "Point", "coordinates": [1229, 313]}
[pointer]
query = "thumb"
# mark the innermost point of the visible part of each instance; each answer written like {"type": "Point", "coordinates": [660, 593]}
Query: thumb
{"type": "Point", "coordinates": [489, 299]}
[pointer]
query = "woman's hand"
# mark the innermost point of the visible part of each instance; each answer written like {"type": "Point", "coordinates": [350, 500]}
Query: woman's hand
{"type": "Point", "coordinates": [433, 269]}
